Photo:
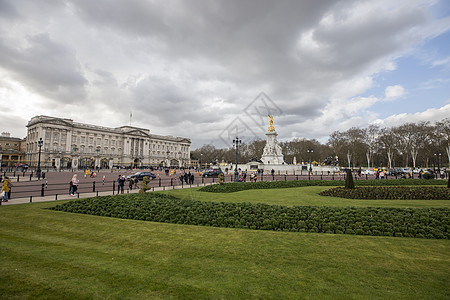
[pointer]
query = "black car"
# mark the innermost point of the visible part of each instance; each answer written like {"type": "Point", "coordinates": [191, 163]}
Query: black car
{"type": "Point", "coordinates": [212, 173]}
{"type": "Point", "coordinates": [395, 172]}
{"type": "Point", "coordinates": [139, 176]}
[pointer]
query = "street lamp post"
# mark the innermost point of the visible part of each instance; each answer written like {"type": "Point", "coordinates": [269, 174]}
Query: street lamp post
{"type": "Point", "coordinates": [438, 155]}
{"type": "Point", "coordinates": [236, 142]}
{"type": "Point", "coordinates": [310, 151]}
{"type": "Point", "coordinates": [168, 159]}
{"type": "Point", "coordinates": [38, 171]}
{"type": "Point", "coordinates": [201, 155]}
{"type": "Point", "coordinates": [97, 150]}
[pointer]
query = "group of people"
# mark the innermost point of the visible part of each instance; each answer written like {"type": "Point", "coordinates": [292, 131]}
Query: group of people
{"type": "Point", "coordinates": [187, 177]}
{"type": "Point", "coordinates": [121, 183]}
{"type": "Point", "coordinates": [5, 190]}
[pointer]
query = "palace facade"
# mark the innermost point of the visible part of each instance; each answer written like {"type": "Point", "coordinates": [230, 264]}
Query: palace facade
{"type": "Point", "coordinates": [69, 144]}
{"type": "Point", "coordinates": [12, 150]}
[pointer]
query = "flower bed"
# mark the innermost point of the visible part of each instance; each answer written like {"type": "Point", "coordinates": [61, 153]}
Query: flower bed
{"type": "Point", "coordinates": [241, 186]}
{"type": "Point", "coordinates": [391, 193]}
{"type": "Point", "coordinates": [397, 222]}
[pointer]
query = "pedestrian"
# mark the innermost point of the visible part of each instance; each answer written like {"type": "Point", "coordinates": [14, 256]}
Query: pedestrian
{"type": "Point", "coordinates": [181, 179]}
{"type": "Point", "coordinates": [70, 187]}
{"type": "Point", "coordinates": [192, 178]}
{"type": "Point", "coordinates": [6, 188]}
{"type": "Point", "coordinates": [130, 183]}
{"type": "Point", "coordinates": [186, 178]}
{"type": "Point", "coordinates": [104, 177]}
{"type": "Point", "coordinates": [75, 182]}
{"type": "Point", "coordinates": [121, 184]}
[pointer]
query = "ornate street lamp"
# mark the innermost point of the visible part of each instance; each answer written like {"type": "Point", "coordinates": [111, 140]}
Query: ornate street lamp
{"type": "Point", "coordinates": [438, 155]}
{"type": "Point", "coordinates": [38, 171]}
{"type": "Point", "coordinates": [201, 155]}
{"type": "Point", "coordinates": [310, 151]}
{"type": "Point", "coordinates": [97, 150]}
{"type": "Point", "coordinates": [168, 159]}
{"type": "Point", "coordinates": [236, 142]}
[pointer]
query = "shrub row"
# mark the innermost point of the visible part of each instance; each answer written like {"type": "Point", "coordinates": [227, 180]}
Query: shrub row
{"type": "Point", "coordinates": [241, 186]}
{"type": "Point", "coordinates": [393, 192]}
{"type": "Point", "coordinates": [397, 222]}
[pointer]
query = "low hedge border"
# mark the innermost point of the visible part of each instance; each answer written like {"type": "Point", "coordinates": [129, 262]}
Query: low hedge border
{"type": "Point", "coordinates": [242, 186]}
{"type": "Point", "coordinates": [391, 193]}
{"type": "Point", "coordinates": [432, 223]}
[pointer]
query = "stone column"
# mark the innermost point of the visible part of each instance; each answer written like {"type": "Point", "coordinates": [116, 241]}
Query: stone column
{"type": "Point", "coordinates": [58, 162]}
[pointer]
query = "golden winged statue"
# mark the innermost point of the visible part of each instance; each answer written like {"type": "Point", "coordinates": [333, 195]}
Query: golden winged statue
{"type": "Point", "coordinates": [271, 128]}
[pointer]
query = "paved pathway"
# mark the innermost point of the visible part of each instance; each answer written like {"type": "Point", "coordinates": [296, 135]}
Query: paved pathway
{"type": "Point", "coordinates": [88, 195]}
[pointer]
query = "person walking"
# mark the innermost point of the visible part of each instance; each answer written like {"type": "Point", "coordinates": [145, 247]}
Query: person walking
{"type": "Point", "coordinates": [121, 184]}
{"type": "Point", "coordinates": [6, 187]}
{"type": "Point", "coordinates": [181, 179]}
{"type": "Point", "coordinates": [130, 183]}
{"type": "Point", "coordinates": [75, 182]}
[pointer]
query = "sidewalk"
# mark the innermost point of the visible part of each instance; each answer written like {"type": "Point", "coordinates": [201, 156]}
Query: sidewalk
{"type": "Point", "coordinates": [90, 195]}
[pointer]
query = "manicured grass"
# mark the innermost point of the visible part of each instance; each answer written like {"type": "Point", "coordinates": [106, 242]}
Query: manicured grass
{"type": "Point", "coordinates": [302, 196]}
{"type": "Point", "coordinates": [53, 255]}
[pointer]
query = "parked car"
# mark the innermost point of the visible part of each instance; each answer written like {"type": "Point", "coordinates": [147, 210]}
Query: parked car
{"type": "Point", "coordinates": [395, 172]}
{"type": "Point", "coordinates": [212, 173]}
{"type": "Point", "coordinates": [406, 170]}
{"type": "Point", "coordinates": [139, 176]}
{"type": "Point", "coordinates": [368, 172]}
{"type": "Point", "coordinates": [22, 165]}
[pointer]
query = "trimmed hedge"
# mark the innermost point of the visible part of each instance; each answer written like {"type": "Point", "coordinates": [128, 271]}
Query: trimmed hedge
{"type": "Point", "coordinates": [393, 192]}
{"type": "Point", "coordinates": [432, 223]}
{"type": "Point", "coordinates": [242, 186]}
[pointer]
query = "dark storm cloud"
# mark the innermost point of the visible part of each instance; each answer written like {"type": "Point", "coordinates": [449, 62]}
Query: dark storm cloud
{"type": "Point", "coordinates": [168, 103]}
{"type": "Point", "coordinates": [254, 40]}
{"type": "Point", "coordinates": [45, 66]}
{"type": "Point", "coordinates": [8, 10]}
{"type": "Point", "coordinates": [190, 68]}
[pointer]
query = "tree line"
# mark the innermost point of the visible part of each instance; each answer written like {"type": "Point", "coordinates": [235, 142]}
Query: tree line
{"type": "Point", "coordinates": [423, 144]}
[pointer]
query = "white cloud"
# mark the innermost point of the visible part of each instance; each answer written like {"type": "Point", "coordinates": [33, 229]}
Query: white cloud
{"type": "Point", "coordinates": [432, 114]}
{"type": "Point", "coordinates": [394, 91]}
{"type": "Point", "coordinates": [441, 62]}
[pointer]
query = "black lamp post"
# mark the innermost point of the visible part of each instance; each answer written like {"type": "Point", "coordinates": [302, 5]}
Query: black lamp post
{"type": "Point", "coordinates": [310, 151]}
{"type": "Point", "coordinates": [438, 155]}
{"type": "Point", "coordinates": [38, 171]}
{"type": "Point", "coordinates": [98, 158]}
{"type": "Point", "coordinates": [201, 155]}
{"type": "Point", "coordinates": [168, 160]}
{"type": "Point", "coordinates": [236, 142]}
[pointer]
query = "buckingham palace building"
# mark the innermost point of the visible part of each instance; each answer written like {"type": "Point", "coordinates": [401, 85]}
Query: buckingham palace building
{"type": "Point", "coordinates": [68, 144]}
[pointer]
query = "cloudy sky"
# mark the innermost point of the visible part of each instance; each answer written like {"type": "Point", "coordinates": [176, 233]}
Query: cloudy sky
{"type": "Point", "coordinates": [209, 70]}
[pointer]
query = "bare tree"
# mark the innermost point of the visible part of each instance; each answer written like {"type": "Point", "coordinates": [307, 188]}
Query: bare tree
{"type": "Point", "coordinates": [370, 137]}
{"type": "Point", "coordinates": [443, 135]}
{"type": "Point", "coordinates": [389, 142]}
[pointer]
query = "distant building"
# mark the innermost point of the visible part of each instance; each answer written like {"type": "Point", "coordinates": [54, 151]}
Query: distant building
{"type": "Point", "coordinates": [68, 144]}
{"type": "Point", "coordinates": [12, 150]}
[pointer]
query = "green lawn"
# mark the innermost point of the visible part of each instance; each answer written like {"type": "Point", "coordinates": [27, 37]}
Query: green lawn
{"type": "Point", "coordinates": [301, 196]}
{"type": "Point", "coordinates": [55, 255]}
